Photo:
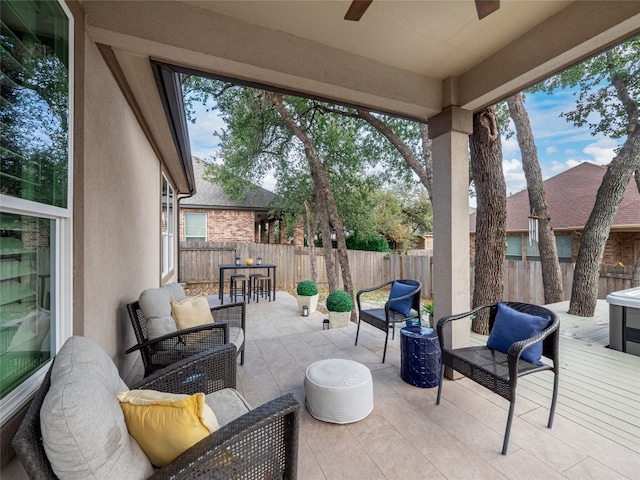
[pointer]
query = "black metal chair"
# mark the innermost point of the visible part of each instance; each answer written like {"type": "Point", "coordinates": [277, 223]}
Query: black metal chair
{"type": "Point", "coordinates": [497, 371]}
{"type": "Point", "coordinates": [162, 351]}
{"type": "Point", "coordinates": [262, 443]}
{"type": "Point", "coordinates": [386, 318]}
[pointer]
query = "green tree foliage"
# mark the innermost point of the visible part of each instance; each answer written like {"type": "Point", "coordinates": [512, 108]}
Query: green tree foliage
{"type": "Point", "coordinates": [359, 161]}
{"type": "Point", "coordinates": [607, 89]}
{"type": "Point", "coordinates": [370, 242]}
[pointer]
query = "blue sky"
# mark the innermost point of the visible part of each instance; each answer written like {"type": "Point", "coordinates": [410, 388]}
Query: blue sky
{"type": "Point", "coordinates": [560, 145]}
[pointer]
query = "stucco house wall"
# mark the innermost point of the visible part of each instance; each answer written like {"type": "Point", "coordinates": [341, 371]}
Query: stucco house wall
{"type": "Point", "coordinates": [119, 219]}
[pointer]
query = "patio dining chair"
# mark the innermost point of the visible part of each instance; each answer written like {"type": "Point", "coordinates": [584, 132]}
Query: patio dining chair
{"type": "Point", "coordinates": [519, 334]}
{"type": "Point", "coordinates": [403, 304]}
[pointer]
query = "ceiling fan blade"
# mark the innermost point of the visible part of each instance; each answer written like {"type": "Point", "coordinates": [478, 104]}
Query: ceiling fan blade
{"type": "Point", "coordinates": [486, 7]}
{"type": "Point", "coordinates": [357, 9]}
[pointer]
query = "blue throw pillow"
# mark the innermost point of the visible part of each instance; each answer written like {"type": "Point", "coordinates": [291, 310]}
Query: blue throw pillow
{"type": "Point", "coordinates": [398, 290]}
{"type": "Point", "coordinates": [511, 326]}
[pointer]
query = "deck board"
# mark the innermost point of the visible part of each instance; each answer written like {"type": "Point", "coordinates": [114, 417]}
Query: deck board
{"type": "Point", "coordinates": [599, 389]}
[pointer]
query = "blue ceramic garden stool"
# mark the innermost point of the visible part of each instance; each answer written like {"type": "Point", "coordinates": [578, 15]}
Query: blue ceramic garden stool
{"type": "Point", "coordinates": [420, 356]}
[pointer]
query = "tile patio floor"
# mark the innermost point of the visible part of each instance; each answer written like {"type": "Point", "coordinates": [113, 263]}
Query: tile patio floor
{"type": "Point", "coordinates": [407, 436]}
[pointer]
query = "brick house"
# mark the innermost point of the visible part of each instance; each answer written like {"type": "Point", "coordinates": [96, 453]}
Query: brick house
{"type": "Point", "coordinates": [210, 215]}
{"type": "Point", "coordinates": [570, 197]}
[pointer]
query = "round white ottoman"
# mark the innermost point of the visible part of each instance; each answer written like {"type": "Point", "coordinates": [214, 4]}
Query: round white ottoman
{"type": "Point", "coordinates": [338, 390]}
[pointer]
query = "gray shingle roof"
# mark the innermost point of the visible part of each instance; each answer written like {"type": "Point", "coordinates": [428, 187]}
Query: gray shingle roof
{"type": "Point", "coordinates": [210, 195]}
{"type": "Point", "coordinates": [570, 198]}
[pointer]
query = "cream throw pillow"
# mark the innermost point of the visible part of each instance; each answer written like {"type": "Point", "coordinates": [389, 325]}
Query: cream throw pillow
{"type": "Point", "coordinates": [166, 424]}
{"type": "Point", "coordinates": [191, 312]}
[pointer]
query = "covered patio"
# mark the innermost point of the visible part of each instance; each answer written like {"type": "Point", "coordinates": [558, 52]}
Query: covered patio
{"type": "Point", "coordinates": [595, 433]}
{"type": "Point", "coordinates": [129, 162]}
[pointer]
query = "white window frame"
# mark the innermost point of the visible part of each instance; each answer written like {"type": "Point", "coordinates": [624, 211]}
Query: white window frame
{"type": "Point", "coordinates": [168, 226]}
{"type": "Point", "coordinates": [206, 219]}
{"type": "Point", "coordinates": [62, 266]}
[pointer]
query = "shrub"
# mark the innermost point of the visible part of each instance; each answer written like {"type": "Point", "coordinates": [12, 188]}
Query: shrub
{"type": "Point", "coordinates": [307, 288]}
{"type": "Point", "coordinates": [369, 242]}
{"type": "Point", "coordinates": [428, 308]}
{"type": "Point", "coordinates": [339, 301]}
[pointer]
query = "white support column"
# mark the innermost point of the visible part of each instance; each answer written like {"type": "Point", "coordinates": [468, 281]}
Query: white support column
{"type": "Point", "coordinates": [450, 132]}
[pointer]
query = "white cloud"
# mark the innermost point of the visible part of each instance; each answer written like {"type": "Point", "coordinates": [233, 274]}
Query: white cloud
{"type": "Point", "coordinates": [570, 151]}
{"type": "Point", "coordinates": [602, 151]}
{"type": "Point", "coordinates": [510, 147]}
{"type": "Point", "coordinates": [204, 142]}
{"type": "Point", "coordinates": [572, 162]}
{"type": "Point", "coordinates": [513, 175]}
{"type": "Point", "coordinates": [551, 149]}
{"type": "Point", "coordinates": [558, 166]}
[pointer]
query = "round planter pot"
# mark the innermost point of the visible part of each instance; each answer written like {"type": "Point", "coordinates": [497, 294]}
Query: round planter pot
{"type": "Point", "coordinates": [310, 301]}
{"type": "Point", "coordinates": [339, 319]}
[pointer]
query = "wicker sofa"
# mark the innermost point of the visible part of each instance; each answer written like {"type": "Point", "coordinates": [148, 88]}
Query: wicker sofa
{"type": "Point", "coordinates": [75, 425]}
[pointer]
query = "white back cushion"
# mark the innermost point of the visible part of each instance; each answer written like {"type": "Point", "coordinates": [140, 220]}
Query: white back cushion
{"type": "Point", "coordinates": [156, 306]}
{"type": "Point", "coordinates": [83, 428]}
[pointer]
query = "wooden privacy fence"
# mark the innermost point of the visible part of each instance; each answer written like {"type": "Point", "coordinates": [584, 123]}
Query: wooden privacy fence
{"type": "Point", "coordinates": [522, 280]}
{"type": "Point", "coordinates": [199, 264]}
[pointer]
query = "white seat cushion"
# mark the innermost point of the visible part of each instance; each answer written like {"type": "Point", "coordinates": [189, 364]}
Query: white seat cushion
{"type": "Point", "coordinates": [83, 428]}
{"type": "Point", "coordinates": [227, 404]}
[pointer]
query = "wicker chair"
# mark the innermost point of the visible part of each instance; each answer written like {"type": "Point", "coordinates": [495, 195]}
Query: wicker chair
{"type": "Point", "coordinates": [386, 318]}
{"type": "Point", "coordinates": [262, 443]}
{"type": "Point", "coordinates": [499, 372]}
{"type": "Point", "coordinates": [163, 351]}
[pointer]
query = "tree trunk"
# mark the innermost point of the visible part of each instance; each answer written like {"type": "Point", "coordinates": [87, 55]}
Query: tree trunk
{"type": "Point", "coordinates": [324, 193]}
{"type": "Point", "coordinates": [311, 245]}
{"type": "Point", "coordinates": [491, 213]}
{"type": "Point", "coordinates": [551, 276]}
{"type": "Point", "coordinates": [635, 275]}
{"type": "Point", "coordinates": [325, 230]}
{"type": "Point", "coordinates": [584, 293]}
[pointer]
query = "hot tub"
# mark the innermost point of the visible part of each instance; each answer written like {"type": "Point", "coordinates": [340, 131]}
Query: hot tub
{"type": "Point", "coordinates": [624, 320]}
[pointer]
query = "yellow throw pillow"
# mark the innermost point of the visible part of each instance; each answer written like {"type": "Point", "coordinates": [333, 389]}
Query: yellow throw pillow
{"type": "Point", "coordinates": [166, 424]}
{"type": "Point", "coordinates": [191, 312]}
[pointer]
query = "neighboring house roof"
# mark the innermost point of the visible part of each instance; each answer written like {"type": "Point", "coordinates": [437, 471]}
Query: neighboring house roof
{"type": "Point", "coordinates": [210, 195]}
{"type": "Point", "coordinates": [570, 197]}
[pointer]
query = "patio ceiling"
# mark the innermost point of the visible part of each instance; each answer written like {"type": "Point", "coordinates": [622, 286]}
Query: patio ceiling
{"type": "Point", "coordinates": [410, 58]}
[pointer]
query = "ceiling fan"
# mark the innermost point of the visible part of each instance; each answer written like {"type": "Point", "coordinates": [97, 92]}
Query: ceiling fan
{"type": "Point", "coordinates": [358, 7]}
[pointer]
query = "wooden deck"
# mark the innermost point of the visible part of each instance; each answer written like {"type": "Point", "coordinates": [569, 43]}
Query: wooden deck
{"type": "Point", "coordinates": [599, 387]}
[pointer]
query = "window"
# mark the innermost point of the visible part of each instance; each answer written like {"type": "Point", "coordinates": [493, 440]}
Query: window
{"type": "Point", "coordinates": [563, 245]}
{"type": "Point", "coordinates": [195, 227]}
{"type": "Point", "coordinates": [35, 207]}
{"type": "Point", "coordinates": [514, 247]}
{"type": "Point", "coordinates": [168, 228]}
{"type": "Point", "coordinates": [533, 250]}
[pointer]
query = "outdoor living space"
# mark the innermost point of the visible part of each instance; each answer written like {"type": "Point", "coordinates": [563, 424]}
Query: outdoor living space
{"type": "Point", "coordinates": [596, 432]}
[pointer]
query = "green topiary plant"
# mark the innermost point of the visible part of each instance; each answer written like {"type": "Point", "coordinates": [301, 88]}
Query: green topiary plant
{"type": "Point", "coordinates": [307, 288]}
{"type": "Point", "coordinates": [339, 301]}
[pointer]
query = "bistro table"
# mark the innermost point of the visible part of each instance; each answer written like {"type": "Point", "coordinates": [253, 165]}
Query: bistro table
{"type": "Point", "coordinates": [232, 266]}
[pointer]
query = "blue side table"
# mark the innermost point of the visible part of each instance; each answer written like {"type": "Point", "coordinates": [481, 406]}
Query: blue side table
{"type": "Point", "coordinates": [420, 356]}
